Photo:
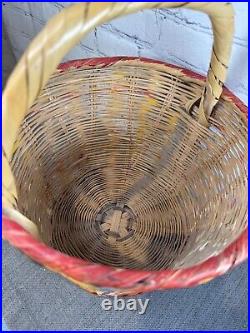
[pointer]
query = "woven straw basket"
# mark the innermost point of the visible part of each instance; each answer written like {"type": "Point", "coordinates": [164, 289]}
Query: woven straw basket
{"type": "Point", "coordinates": [124, 175]}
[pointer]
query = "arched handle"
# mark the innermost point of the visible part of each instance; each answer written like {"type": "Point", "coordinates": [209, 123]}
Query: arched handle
{"type": "Point", "coordinates": [67, 28]}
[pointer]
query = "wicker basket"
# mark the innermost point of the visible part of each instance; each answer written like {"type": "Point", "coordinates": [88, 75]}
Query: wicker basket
{"type": "Point", "coordinates": [124, 175]}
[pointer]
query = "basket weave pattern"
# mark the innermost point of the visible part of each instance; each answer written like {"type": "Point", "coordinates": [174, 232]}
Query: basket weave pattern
{"type": "Point", "coordinates": [100, 137]}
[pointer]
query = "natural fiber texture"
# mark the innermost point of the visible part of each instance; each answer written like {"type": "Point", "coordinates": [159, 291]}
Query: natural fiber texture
{"type": "Point", "coordinates": [107, 280]}
{"type": "Point", "coordinates": [112, 168]}
{"type": "Point", "coordinates": [88, 275]}
{"type": "Point", "coordinates": [66, 29]}
{"type": "Point", "coordinates": [97, 139]}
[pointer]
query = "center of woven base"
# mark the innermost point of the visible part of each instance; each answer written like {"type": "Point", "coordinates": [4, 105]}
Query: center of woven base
{"type": "Point", "coordinates": [116, 221]}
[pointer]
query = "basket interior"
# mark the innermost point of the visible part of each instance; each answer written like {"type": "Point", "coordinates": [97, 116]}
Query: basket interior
{"type": "Point", "coordinates": [112, 169]}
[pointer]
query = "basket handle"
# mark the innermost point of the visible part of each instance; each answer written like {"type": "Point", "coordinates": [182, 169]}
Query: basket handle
{"type": "Point", "coordinates": [67, 28]}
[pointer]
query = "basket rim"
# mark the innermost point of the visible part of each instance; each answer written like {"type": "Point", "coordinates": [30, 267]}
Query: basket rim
{"type": "Point", "coordinates": [83, 271]}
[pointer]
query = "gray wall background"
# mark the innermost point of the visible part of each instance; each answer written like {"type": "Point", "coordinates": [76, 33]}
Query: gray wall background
{"type": "Point", "coordinates": [178, 36]}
